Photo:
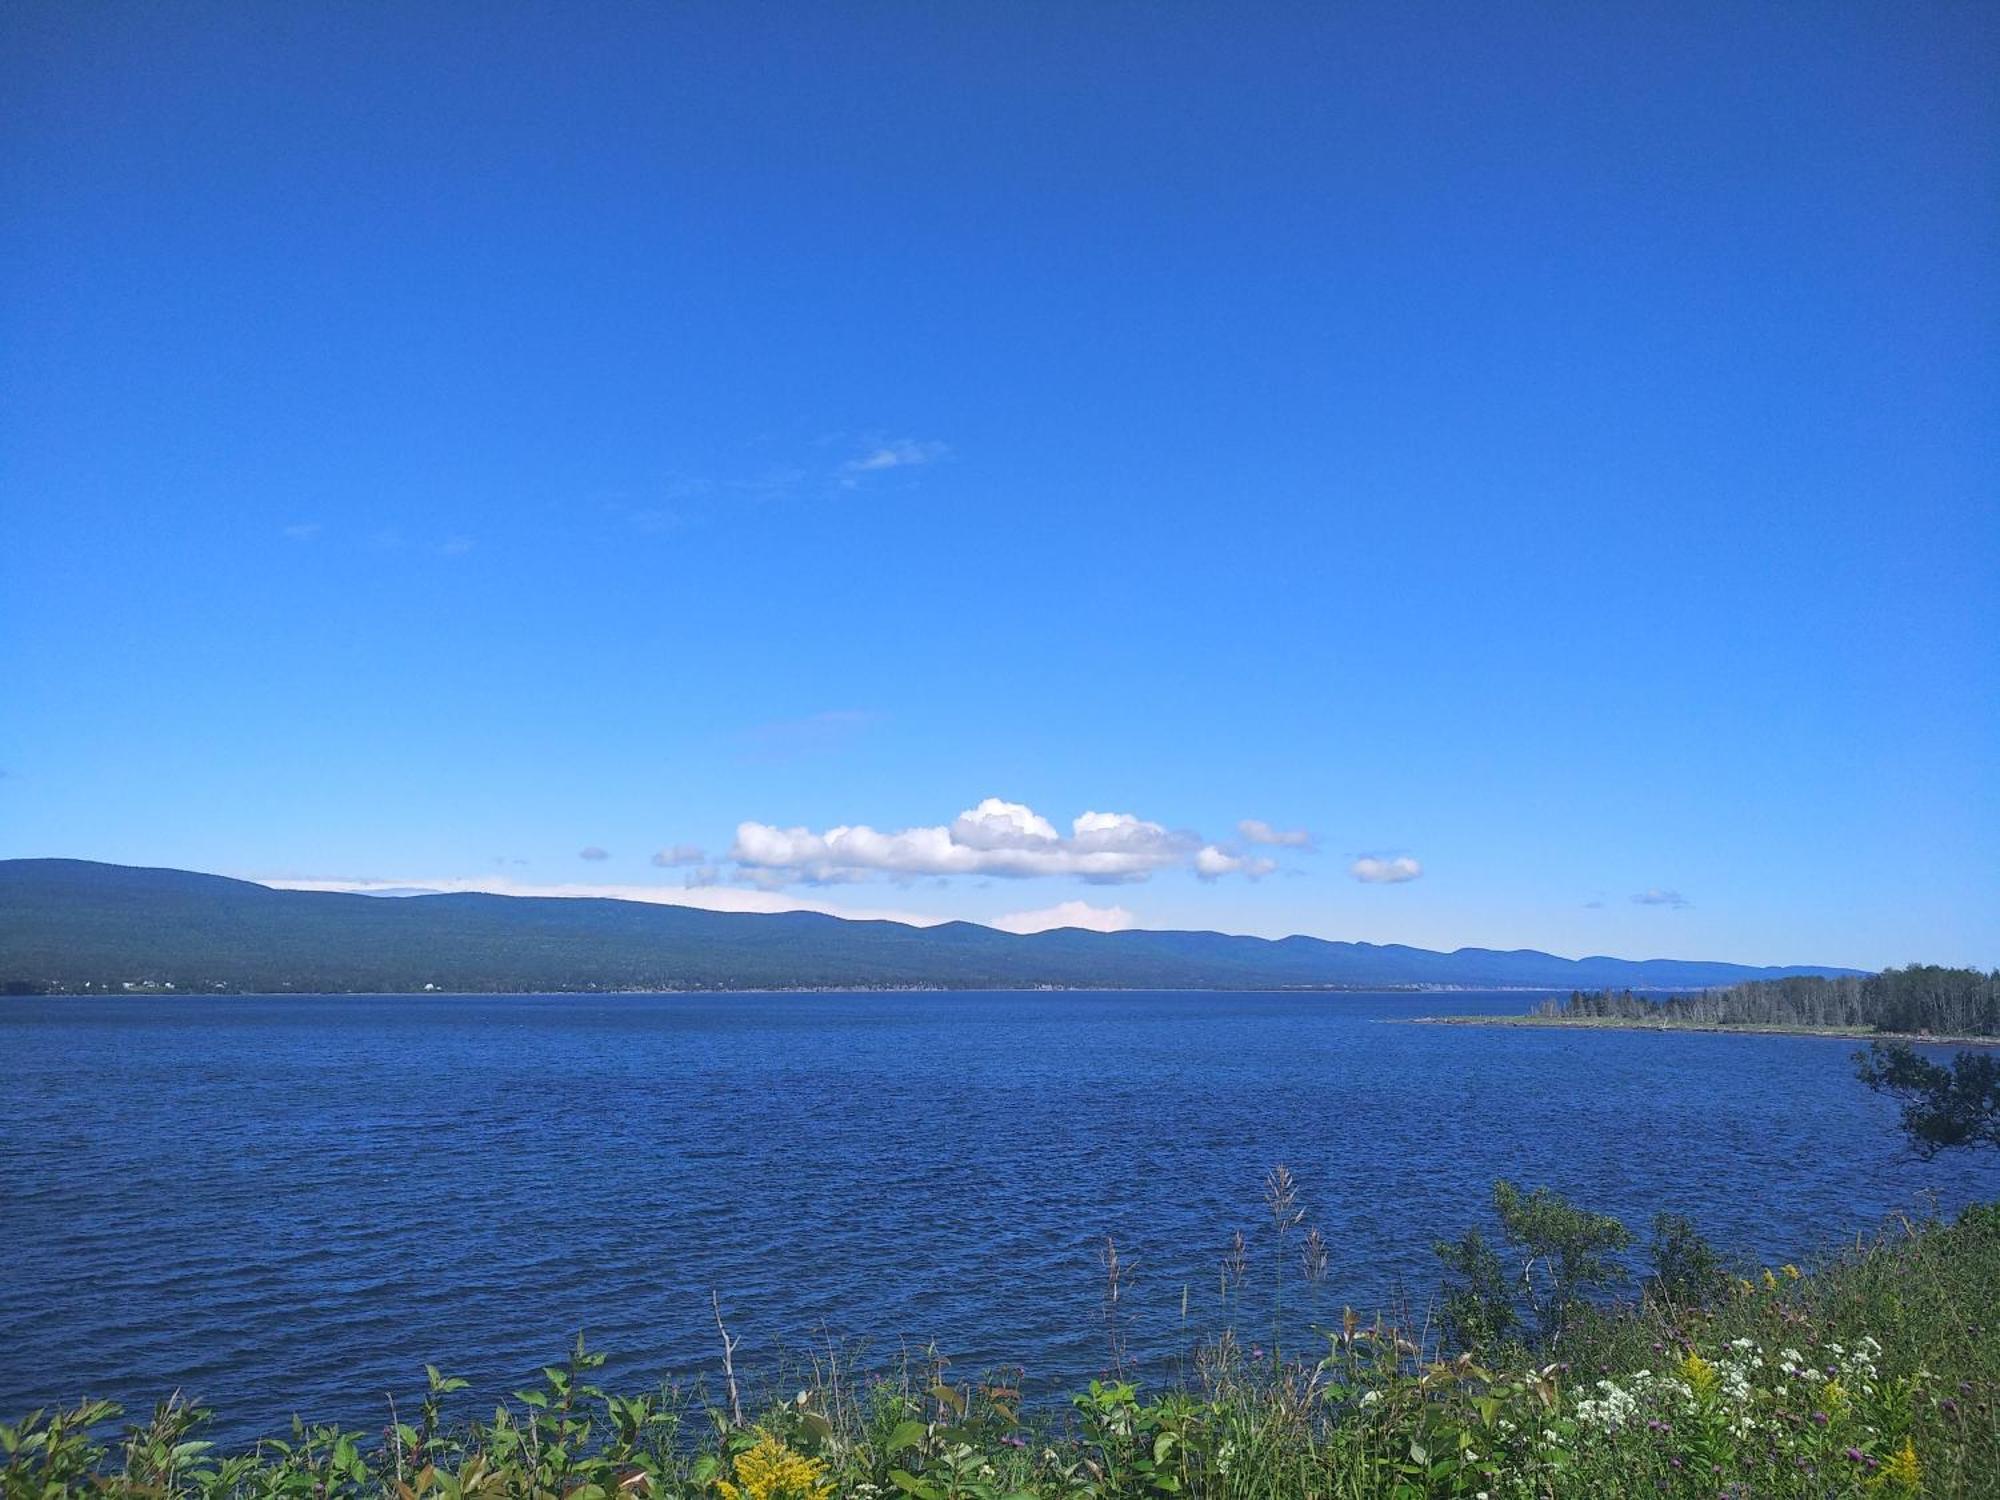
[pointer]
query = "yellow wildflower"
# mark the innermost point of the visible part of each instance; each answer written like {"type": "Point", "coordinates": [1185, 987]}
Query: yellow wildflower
{"type": "Point", "coordinates": [1901, 1471]}
{"type": "Point", "coordinates": [1836, 1398]}
{"type": "Point", "coordinates": [1700, 1376]}
{"type": "Point", "coordinates": [769, 1470]}
{"type": "Point", "coordinates": [1744, 1286]}
{"type": "Point", "coordinates": [1770, 1281]}
{"type": "Point", "coordinates": [1792, 1272]}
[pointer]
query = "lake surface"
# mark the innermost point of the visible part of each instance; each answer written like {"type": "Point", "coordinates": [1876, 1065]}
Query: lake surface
{"type": "Point", "coordinates": [286, 1204]}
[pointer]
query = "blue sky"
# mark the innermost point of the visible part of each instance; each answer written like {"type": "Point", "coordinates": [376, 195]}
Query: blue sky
{"type": "Point", "coordinates": [1547, 453]}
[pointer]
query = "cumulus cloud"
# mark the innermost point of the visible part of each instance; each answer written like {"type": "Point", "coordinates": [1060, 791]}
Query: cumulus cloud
{"type": "Point", "coordinates": [1067, 914]}
{"type": "Point", "coordinates": [995, 838]}
{"type": "Point", "coordinates": [1003, 825]}
{"type": "Point", "coordinates": [1658, 897]}
{"type": "Point", "coordinates": [1257, 831]}
{"type": "Point", "coordinates": [1373, 871]}
{"type": "Point", "coordinates": [678, 855]}
{"type": "Point", "coordinates": [593, 854]}
{"type": "Point", "coordinates": [1212, 863]}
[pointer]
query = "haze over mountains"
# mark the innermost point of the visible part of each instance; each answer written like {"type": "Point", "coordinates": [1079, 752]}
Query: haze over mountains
{"type": "Point", "coordinates": [67, 924]}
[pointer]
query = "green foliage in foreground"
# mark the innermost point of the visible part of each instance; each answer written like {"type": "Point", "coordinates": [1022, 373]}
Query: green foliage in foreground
{"type": "Point", "coordinates": [1875, 1376]}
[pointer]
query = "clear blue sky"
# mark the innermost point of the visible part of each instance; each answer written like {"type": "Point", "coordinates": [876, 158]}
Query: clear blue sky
{"type": "Point", "coordinates": [1546, 451]}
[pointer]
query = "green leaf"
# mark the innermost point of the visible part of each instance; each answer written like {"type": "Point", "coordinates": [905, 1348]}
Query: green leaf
{"type": "Point", "coordinates": [909, 1484]}
{"type": "Point", "coordinates": [906, 1435]}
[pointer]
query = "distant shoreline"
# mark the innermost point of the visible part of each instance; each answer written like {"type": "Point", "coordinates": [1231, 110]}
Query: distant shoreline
{"type": "Point", "coordinates": [1729, 1028]}
{"type": "Point", "coordinates": [164, 993]}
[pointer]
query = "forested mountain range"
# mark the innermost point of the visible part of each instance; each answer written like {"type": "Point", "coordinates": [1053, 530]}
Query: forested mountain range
{"type": "Point", "coordinates": [72, 925]}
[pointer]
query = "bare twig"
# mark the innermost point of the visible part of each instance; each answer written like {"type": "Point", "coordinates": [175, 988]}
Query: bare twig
{"type": "Point", "coordinates": [728, 1360]}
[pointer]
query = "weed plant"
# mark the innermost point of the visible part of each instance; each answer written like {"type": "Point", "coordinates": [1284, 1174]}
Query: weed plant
{"type": "Point", "coordinates": [1874, 1375]}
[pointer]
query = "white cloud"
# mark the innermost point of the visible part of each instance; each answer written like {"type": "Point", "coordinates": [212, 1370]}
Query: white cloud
{"type": "Point", "coordinates": [1394, 871]}
{"type": "Point", "coordinates": [678, 855]}
{"type": "Point", "coordinates": [1067, 914]}
{"type": "Point", "coordinates": [1003, 825]}
{"type": "Point", "coordinates": [994, 838]}
{"type": "Point", "coordinates": [594, 854]}
{"type": "Point", "coordinates": [704, 898]}
{"type": "Point", "coordinates": [303, 531]}
{"type": "Point", "coordinates": [904, 453]}
{"type": "Point", "coordinates": [1257, 831]}
{"type": "Point", "coordinates": [1657, 897]}
{"type": "Point", "coordinates": [1212, 863]}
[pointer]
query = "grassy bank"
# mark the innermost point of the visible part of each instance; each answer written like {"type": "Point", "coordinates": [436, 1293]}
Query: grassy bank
{"type": "Point", "coordinates": [1874, 1375]}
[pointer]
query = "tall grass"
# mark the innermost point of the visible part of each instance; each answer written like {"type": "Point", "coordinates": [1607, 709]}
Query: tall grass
{"type": "Point", "coordinates": [1875, 1374]}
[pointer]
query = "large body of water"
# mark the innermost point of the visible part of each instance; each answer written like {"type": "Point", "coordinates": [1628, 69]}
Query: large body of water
{"type": "Point", "coordinates": [281, 1204]}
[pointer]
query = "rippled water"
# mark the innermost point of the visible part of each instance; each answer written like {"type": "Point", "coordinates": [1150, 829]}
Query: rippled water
{"type": "Point", "coordinates": [284, 1204]}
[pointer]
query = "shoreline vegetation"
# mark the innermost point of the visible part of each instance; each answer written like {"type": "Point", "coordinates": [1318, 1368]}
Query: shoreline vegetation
{"type": "Point", "coordinates": [1718, 1028]}
{"type": "Point", "coordinates": [1923, 1003]}
{"type": "Point", "coordinates": [1546, 1369]}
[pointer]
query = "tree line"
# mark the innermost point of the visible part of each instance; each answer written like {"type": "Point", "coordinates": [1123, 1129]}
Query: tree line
{"type": "Point", "coordinates": [1918, 999]}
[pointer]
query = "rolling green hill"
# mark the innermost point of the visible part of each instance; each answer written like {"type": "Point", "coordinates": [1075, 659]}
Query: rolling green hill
{"type": "Point", "coordinates": [65, 924]}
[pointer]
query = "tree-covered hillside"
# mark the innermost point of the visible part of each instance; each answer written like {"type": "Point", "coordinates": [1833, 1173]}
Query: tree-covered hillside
{"type": "Point", "coordinates": [74, 925]}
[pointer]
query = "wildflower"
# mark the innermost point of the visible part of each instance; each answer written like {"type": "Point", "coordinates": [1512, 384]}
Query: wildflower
{"type": "Point", "coordinates": [768, 1470]}
{"type": "Point", "coordinates": [1700, 1376]}
{"type": "Point", "coordinates": [1791, 1272]}
{"type": "Point", "coordinates": [1902, 1471]}
{"type": "Point", "coordinates": [1770, 1281]}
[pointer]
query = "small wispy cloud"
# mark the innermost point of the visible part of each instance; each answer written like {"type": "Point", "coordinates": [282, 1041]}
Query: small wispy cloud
{"type": "Point", "coordinates": [904, 453]}
{"type": "Point", "coordinates": [812, 734]}
{"type": "Point", "coordinates": [1655, 896]}
{"type": "Point", "coordinates": [1593, 906]}
{"type": "Point", "coordinates": [593, 854]}
{"type": "Point", "coordinates": [678, 855]}
{"type": "Point", "coordinates": [1257, 831]}
{"type": "Point", "coordinates": [1371, 870]}
{"type": "Point", "coordinates": [303, 531]}
{"type": "Point", "coordinates": [1067, 914]}
{"type": "Point", "coordinates": [456, 546]}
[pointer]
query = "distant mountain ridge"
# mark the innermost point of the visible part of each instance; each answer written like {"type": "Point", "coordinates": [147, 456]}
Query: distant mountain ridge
{"type": "Point", "coordinates": [68, 923]}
